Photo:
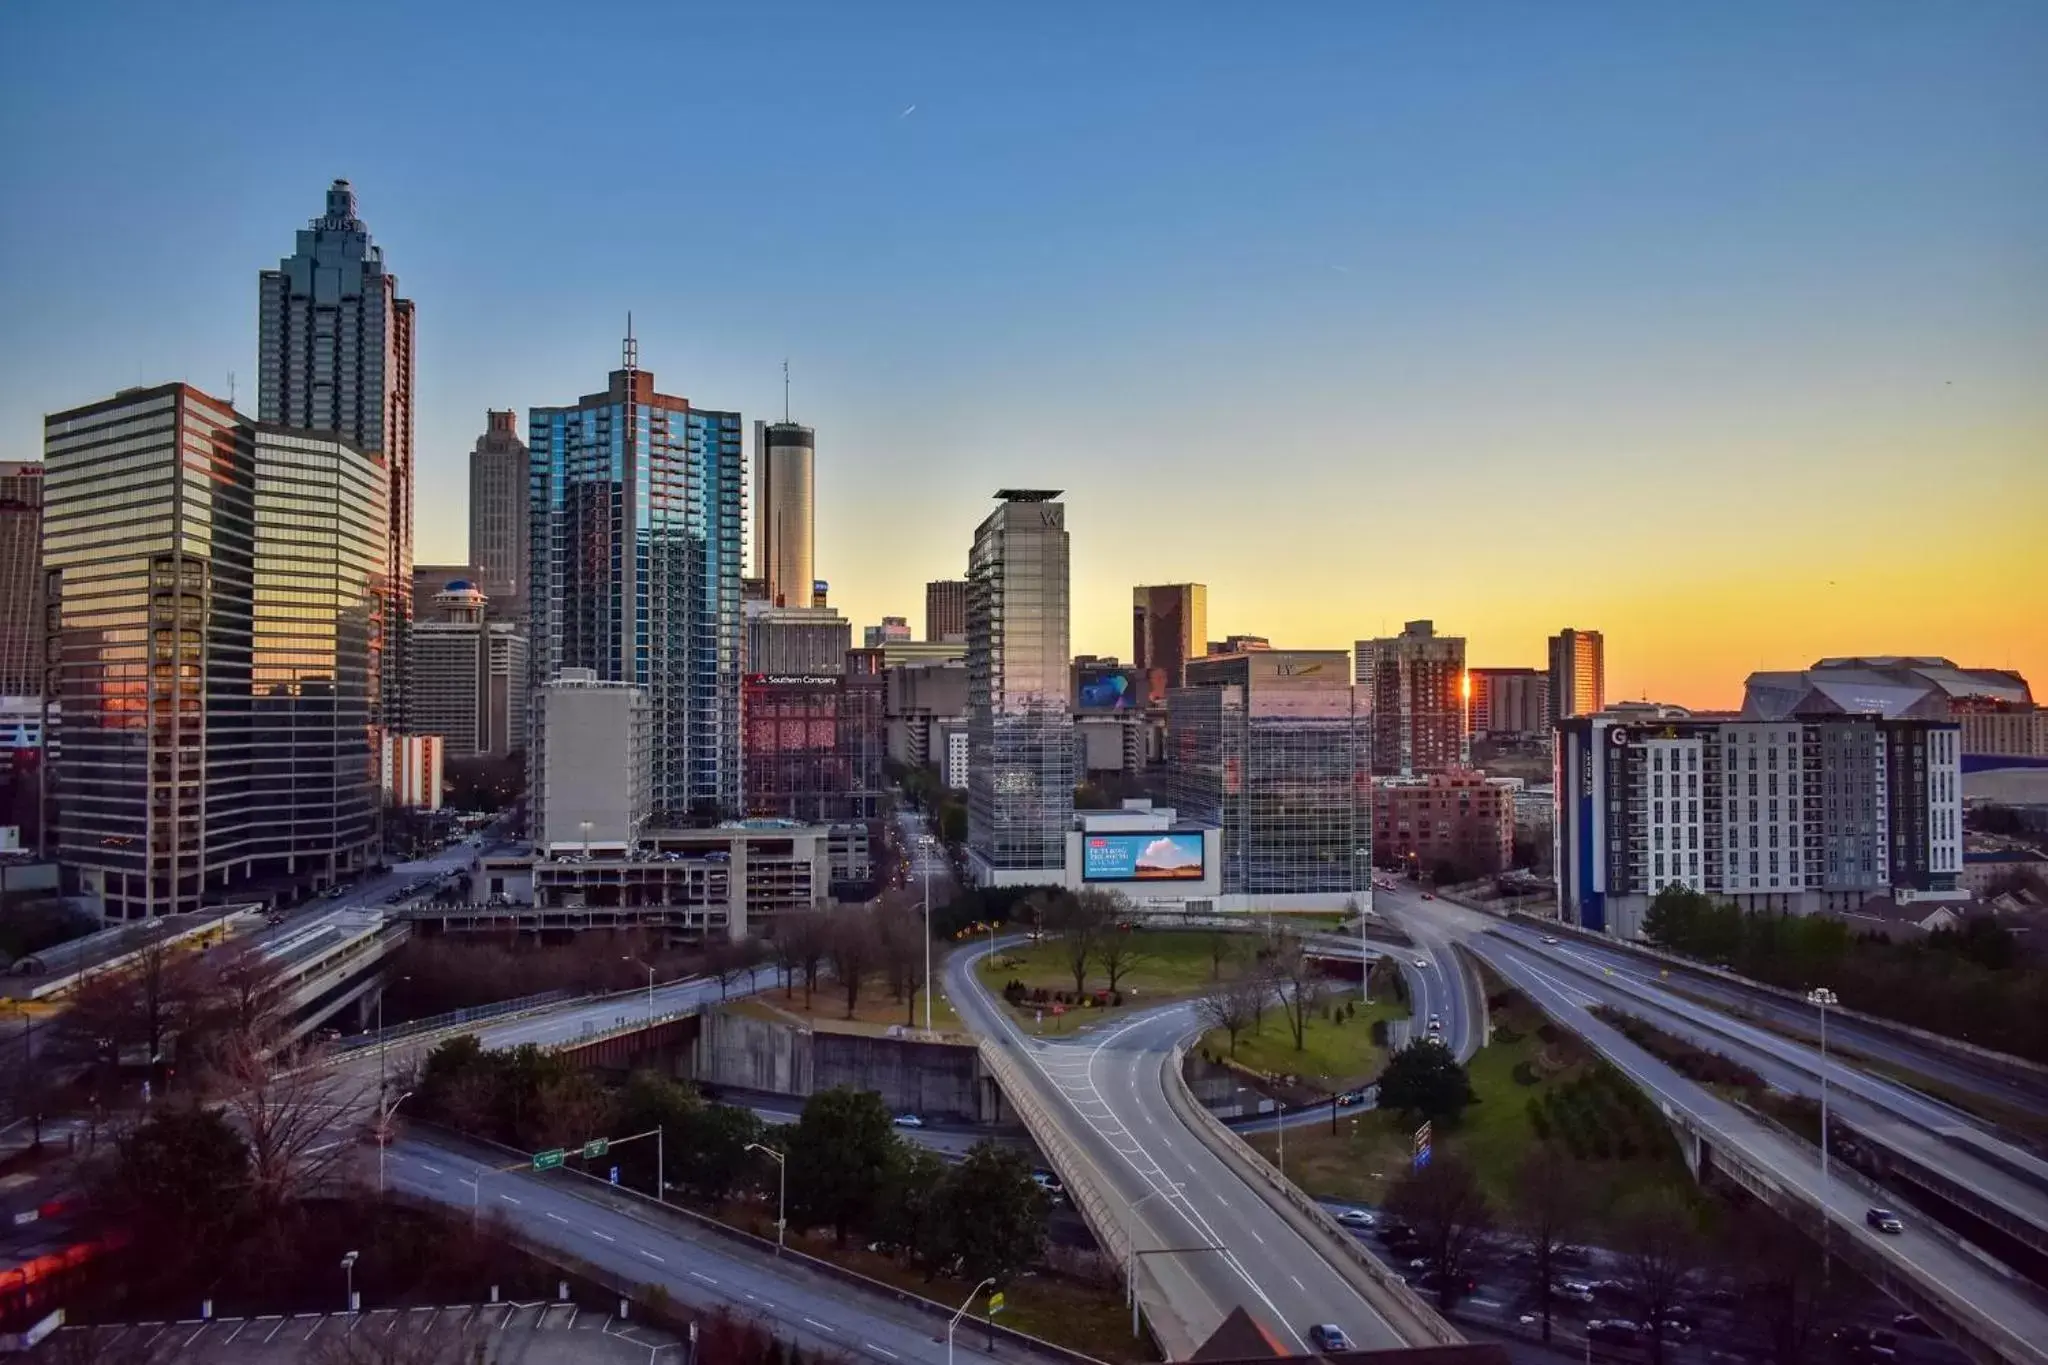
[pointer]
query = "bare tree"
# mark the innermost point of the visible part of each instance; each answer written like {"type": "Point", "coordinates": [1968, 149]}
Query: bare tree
{"type": "Point", "coordinates": [1549, 1209]}
{"type": "Point", "coordinates": [1659, 1241]}
{"type": "Point", "coordinates": [1080, 921]}
{"type": "Point", "coordinates": [731, 960]}
{"type": "Point", "coordinates": [292, 1116]}
{"type": "Point", "coordinates": [900, 941]}
{"type": "Point", "coordinates": [1234, 1005]}
{"type": "Point", "coordinates": [810, 944]}
{"type": "Point", "coordinates": [142, 1005]}
{"type": "Point", "coordinates": [1450, 1214]}
{"type": "Point", "coordinates": [854, 948]}
{"type": "Point", "coordinates": [1120, 949]}
{"type": "Point", "coordinates": [1784, 1284]}
{"type": "Point", "coordinates": [1222, 948]}
{"type": "Point", "coordinates": [1298, 982]}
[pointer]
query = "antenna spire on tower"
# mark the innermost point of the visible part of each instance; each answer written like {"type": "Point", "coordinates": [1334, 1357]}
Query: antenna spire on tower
{"type": "Point", "coordinates": [632, 349]}
{"type": "Point", "coordinates": [785, 390]}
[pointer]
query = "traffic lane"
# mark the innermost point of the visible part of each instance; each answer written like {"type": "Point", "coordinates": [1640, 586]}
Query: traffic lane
{"type": "Point", "coordinates": [1294, 1277]}
{"type": "Point", "coordinates": [2017, 1308]}
{"type": "Point", "coordinates": [692, 1264]}
{"type": "Point", "coordinates": [572, 1021]}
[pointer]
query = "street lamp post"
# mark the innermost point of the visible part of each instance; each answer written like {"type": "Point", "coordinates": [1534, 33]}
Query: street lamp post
{"type": "Point", "coordinates": [924, 845]}
{"type": "Point", "coordinates": [650, 986]}
{"type": "Point", "coordinates": [1280, 1137]}
{"type": "Point", "coordinates": [971, 1297]}
{"type": "Point", "coordinates": [781, 1191]}
{"type": "Point", "coordinates": [348, 1268]}
{"type": "Point", "coordinates": [1169, 1189]}
{"type": "Point", "coordinates": [1821, 998]}
{"type": "Point", "coordinates": [384, 1135]}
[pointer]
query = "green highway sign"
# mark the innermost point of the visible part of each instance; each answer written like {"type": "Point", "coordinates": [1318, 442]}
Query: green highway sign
{"type": "Point", "coordinates": [549, 1160]}
{"type": "Point", "coordinates": [595, 1148]}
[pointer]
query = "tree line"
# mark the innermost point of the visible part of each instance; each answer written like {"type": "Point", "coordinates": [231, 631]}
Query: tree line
{"type": "Point", "coordinates": [1971, 983]}
{"type": "Point", "coordinates": [849, 1172]}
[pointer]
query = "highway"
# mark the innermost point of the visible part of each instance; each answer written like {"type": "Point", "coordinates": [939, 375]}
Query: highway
{"type": "Point", "coordinates": [623, 1235]}
{"type": "Point", "coordinates": [1564, 990]}
{"type": "Point", "coordinates": [1220, 1244]}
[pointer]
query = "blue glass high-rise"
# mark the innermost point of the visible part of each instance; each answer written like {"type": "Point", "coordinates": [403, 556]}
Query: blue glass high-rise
{"type": "Point", "coordinates": [638, 505]}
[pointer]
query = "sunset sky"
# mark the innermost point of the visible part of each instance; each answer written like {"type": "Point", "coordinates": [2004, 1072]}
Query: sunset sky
{"type": "Point", "coordinates": [1722, 329]}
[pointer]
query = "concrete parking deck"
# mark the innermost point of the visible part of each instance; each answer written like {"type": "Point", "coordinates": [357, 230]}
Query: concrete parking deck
{"type": "Point", "coordinates": [510, 1334]}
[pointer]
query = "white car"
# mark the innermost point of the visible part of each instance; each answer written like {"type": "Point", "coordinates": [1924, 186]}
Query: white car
{"type": "Point", "coordinates": [909, 1121]}
{"type": "Point", "coordinates": [1356, 1218]}
{"type": "Point", "coordinates": [1422, 964]}
{"type": "Point", "coordinates": [1550, 938]}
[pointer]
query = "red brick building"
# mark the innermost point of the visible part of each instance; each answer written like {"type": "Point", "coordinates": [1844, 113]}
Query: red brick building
{"type": "Point", "coordinates": [1461, 821]}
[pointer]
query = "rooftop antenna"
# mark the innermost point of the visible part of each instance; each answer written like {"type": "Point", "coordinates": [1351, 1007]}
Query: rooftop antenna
{"type": "Point", "coordinates": [231, 388]}
{"type": "Point", "coordinates": [785, 390]}
{"type": "Point", "coordinates": [632, 349]}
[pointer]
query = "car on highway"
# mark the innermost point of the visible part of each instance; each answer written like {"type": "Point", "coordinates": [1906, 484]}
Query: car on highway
{"type": "Point", "coordinates": [1421, 964]}
{"type": "Point", "coordinates": [1614, 1329]}
{"type": "Point", "coordinates": [335, 893]}
{"type": "Point", "coordinates": [909, 1121]}
{"type": "Point", "coordinates": [1572, 1291]}
{"type": "Point", "coordinates": [1550, 938]}
{"type": "Point", "coordinates": [1356, 1218]}
{"type": "Point", "coordinates": [1327, 1337]}
{"type": "Point", "coordinates": [1884, 1220]}
{"type": "Point", "coordinates": [1427, 896]}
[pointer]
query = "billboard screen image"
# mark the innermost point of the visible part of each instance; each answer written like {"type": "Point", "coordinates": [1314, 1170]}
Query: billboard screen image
{"type": "Point", "coordinates": [1108, 689]}
{"type": "Point", "coordinates": [1141, 858]}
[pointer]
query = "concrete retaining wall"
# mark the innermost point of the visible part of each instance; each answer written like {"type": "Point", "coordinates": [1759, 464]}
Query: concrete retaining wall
{"type": "Point", "coordinates": [936, 1080]}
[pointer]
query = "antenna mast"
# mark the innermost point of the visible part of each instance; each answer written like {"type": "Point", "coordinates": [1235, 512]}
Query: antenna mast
{"type": "Point", "coordinates": [785, 391]}
{"type": "Point", "coordinates": [632, 348]}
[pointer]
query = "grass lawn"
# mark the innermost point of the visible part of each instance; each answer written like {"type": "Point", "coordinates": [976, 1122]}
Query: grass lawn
{"type": "Point", "coordinates": [1528, 1061]}
{"type": "Point", "coordinates": [1335, 1055]}
{"type": "Point", "coordinates": [875, 1014]}
{"type": "Point", "coordinates": [1088, 1319]}
{"type": "Point", "coordinates": [1166, 964]}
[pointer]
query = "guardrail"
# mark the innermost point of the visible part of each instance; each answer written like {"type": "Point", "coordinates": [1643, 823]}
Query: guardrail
{"type": "Point", "coordinates": [450, 1019]}
{"type": "Point", "coordinates": [621, 1198]}
{"type": "Point", "coordinates": [2016, 1068]}
{"type": "Point", "coordinates": [1386, 1290]}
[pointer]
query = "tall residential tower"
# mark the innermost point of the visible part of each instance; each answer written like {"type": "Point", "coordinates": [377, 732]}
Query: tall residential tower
{"type": "Point", "coordinates": [1415, 684]}
{"type": "Point", "coordinates": [1169, 626]}
{"type": "Point", "coordinates": [334, 354]}
{"type": "Point", "coordinates": [1578, 673]}
{"type": "Point", "coordinates": [1020, 727]}
{"type": "Point", "coordinates": [637, 505]}
{"type": "Point", "coordinates": [21, 580]}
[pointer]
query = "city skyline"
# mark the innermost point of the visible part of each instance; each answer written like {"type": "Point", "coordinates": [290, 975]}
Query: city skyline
{"type": "Point", "coordinates": [1798, 321]}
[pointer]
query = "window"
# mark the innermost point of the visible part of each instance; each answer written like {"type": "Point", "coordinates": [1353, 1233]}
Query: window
{"type": "Point", "coordinates": [1692, 811]}
{"type": "Point", "coordinates": [1658, 867]}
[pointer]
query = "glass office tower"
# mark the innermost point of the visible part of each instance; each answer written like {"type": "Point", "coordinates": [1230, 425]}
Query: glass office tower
{"type": "Point", "coordinates": [638, 506]}
{"type": "Point", "coordinates": [1020, 726]}
{"type": "Point", "coordinates": [1272, 747]}
{"type": "Point", "coordinates": [218, 609]}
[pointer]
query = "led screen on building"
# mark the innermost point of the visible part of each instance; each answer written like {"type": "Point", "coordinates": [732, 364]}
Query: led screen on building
{"type": "Point", "coordinates": [1141, 858]}
{"type": "Point", "coordinates": [1100, 688]}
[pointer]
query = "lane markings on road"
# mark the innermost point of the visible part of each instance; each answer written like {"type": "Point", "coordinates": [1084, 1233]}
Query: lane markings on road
{"type": "Point", "coordinates": [509, 1199]}
{"type": "Point", "coordinates": [880, 1350]}
{"type": "Point", "coordinates": [652, 1256]}
{"type": "Point", "coordinates": [558, 1218]}
{"type": "Point", "coordinates": [700, 1275]}
{"type": "Point", "coordinates": [822, 1327]}
{"type": "Point", "coordinates": [436, 1170]}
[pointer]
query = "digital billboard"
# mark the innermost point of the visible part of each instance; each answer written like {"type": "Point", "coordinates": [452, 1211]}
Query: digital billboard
{"type": "Point", "coordinates": [1107, 689]}
{"type": "Point", "coordinates": [1141, 857]}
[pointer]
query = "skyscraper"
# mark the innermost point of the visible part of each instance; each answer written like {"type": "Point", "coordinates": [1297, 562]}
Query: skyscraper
{"type": "Point", "coordinates": [637, 503]}
{"type": "Point", "coordinates": [784, 509]}
{"type": "Point", "coordinates": [1415, 684]}
{"type": "Point", "coordinates": [468, 675]}
{"type": "Point", "coordinates": [335, 354]}
{"type": "Point", "coordinates": [219, 601]}
{"type": "Point", "coordinates": [498, 521]}
{"type": "Point", "coordinates": [1020, 781]}
{"type": "Point", "coordinates": [21, 580]}
{"type": "Point", "coordinates": [1169, 626]}
{"type": "Point", "coordinates": [1509, 704]}
{"type": "Point", "coordinates": [1578, 673]}
{"type": "Point", "coordinates": [945, 610]}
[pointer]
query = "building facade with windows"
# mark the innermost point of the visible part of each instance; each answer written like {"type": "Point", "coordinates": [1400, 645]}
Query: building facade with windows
{"type": "Point", "coordinates": [638, 514]}
{"type": "Point", "coordinates": [1510, 704]}
{"type": "Point", "coordinates": [21, 580]}
{"type": "Point", "coordinates": [1169, 626]}
{"type": "Point", "coordinates": [785, 510]}
{"type": "Point", "coordinates": [1450, 826]}
{"type": "Point", "coordinates": [1797, 815]}
{"type": "Point", "coordinates": [1020, 726]}
{"type": "Point", "coordinates": [1415, 686]}
{"type": "Point", "coordinates": [795, 640]}
{"type": "Point", "coordinates": [1271, 748]}
{"type": "Point", "coordinates": [468, 675]}
{"type": "Point", "coordinates": [218, 592]}
{"type": "Point", "coordinates": [335, 355]}
{"type": "Point", "coordinates": [945, 610]}
{"type": "Point", "coordinates": [1578, 673]}
{"type": "Point", "coordinates": [499, 524]}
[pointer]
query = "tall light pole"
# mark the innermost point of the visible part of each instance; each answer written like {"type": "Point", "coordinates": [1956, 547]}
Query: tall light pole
{"type": "Point", "coordinates": [924, 854]}
{"type": "Point", "coordinates": [348, 1268]}
{"type": "Point", "coordinates": [1821, 997]}
{"type": "Point", "coordinates": [384, 1135]}
{"type": "Point", "coordinates": [1170, 1189]}
{"type": "Point", "coordinates": [971, 1297]}
{"type": "Point", "coordinates": [781, 1191]}
{"type": "Point", "coordinates": [1280, 1138]}
{"type": "Point", "coordinates": [650, 986]}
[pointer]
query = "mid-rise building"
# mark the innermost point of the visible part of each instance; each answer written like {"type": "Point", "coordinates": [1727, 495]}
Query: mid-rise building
{"type": "Point", "coordinates": [429, 581]}
{"type": "Point", "coordinates": [1510, 704]}
{"type": "Point", "coordinates": [217, 623]}
{"type": "Point", "coordinates": [469, 675]}
{"type": "Point", "coordinates": [637, 504]}
{"type": "Point", "coordinates": [335, 355]}
{"type": "Point", "coordinates": [1798, 814]}
{"type": "Point", "coordinates": [1239, 644]}
{"type": "Point", "coordinates": [22, 760]}
{"type": "Point", "coordinates": [2004, 731]}
{"type": "Point", "coordinates": [945, 610]}
{"type": "Point", "coordinates": [1020, 778]}
{"type": "Point", "coordinates": [900, 653]}
{"type": "Point", "coordinates": [1578, 673]}
{"type": "Point", "coordinates": [1450, 826]}
{"type": "Point", "coordinates": [499, 521]}
{"type": "Point", "coordinates": [950, 750]}
{"type": "Point", "coordinates": [21, 580]}
{"type": "Point", "coordinates": [919, 699]}
{"type": "Point", "coordinates": [1169, 626]}
{"type": "Point", "coordinates": [796, 641]}
{"type": "Point", "coordinates": [893, 630]}
{"type": "Point", "coordinates": [1415, 684]}
{"type": "Point", "coordinates": [593, 762]}
{"type": "Point", "coordinates": [413, 773]}
{"type": "Point", "coordinates": [785, 506]}
{"type": "Point", "coordinates": [737, 880]}
{"type": "Point", "coordinates": [1270, 747]}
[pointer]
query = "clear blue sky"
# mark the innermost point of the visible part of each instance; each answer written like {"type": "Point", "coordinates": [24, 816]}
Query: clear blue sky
{"type": "Point", "coordinates": [1355, 311]}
